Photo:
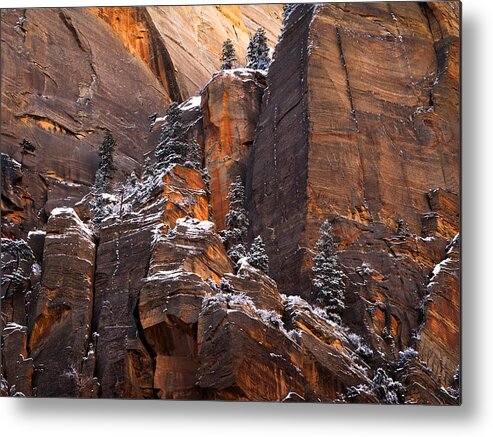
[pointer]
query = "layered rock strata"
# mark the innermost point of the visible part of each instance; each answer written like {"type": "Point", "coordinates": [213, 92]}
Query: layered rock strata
{"type": "Point", "coordinates": [356, 121]}
{"type": "Point", "coordinates": [370, 140]}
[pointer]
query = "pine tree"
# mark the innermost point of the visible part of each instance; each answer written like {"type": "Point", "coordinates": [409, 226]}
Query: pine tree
{"type": "Point", "coordinates": [228, 55]}
{"type": "Point", "coordinates": [251, 56]}
{"type": "Point", "coordinates": [257, 256]}
{"type": "Point", "coordinates": [131, 184]}
{"type": "Point", "coordinates": [328, 281]}
{"type": "Point", "coordinates": [172, 146]}
{"type": "Point", "coordinates": [258, 52]}
{"type": "Point", "coordinates": [14, 255]}
{"type": "Point", "coordinates": [386, 389]}
{"type": "Point", "coordinates": [106, 166]}
{"type": "Point", "coordinates": [234, 236]}
{"type": "Point", "coordinates": [193, 154]}
{"type": "Point", "coordinates": [105, 169]}
{"type": "Point", "coordinates": [286, 12]}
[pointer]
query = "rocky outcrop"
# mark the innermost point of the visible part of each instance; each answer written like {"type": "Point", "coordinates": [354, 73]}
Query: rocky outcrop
{"type": "Point", "coordinates": [62, 315]}
{"type": "Point", "coordinates": [355, 121]}
{"type": "Point", "coordinates": [110, 69]}
{"type": "Point", "coordinates": [124, 361]}
{"type": "Point", "coordinates": [318, 155]}
{"type": "Point", "coordinates": [230, 107]}
{"type": "Point", "coordinates": [183, 264]}
{"type": "Point", "coordinates": [66, 80]}
{"type": "Point", "coordinates": [203, 29]}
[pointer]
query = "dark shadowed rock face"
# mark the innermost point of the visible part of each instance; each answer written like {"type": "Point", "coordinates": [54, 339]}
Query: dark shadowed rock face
{"type": "Point", "coordinates": [364, 136]}
{"type": "Point", "coordinates": [277, 170]}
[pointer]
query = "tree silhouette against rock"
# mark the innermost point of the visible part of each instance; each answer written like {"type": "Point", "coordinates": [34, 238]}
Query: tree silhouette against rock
{"type": "Point", "coordinates": [228, 55]}
{"type": "Point", "coordinates": [103, 174]}
{"type": "Point", "coordinates": [172, 147]}
{"type": "Point", "coordinates": [234, 236]}
{"type": "Point", "coordinates": [258, 51]}
{"type": "Point", "coordinates": [28, 148]}
{"type": "Point", "coordinates": [328, 280]}
{"type": "Point", "coordinates": [106, 164]}
{"type": "Point", "coordinates": [258, 257]}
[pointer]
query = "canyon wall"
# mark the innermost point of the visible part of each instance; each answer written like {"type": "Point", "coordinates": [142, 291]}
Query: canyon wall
{"type": "Point", "coordinates": [356, 121]}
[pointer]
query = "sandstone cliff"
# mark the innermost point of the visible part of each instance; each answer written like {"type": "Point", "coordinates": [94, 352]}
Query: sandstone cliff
{"type": "Point", "coordinates": [356, 121]}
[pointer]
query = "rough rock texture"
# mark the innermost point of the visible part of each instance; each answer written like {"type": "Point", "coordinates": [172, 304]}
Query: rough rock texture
{"type": "Point", "coordinates": [318, 154]}
{"type": "Point", "coordinates": [66, 79]}
{"type": "Point", "coordinates": [230, 106]}
{"type": "Point", "coordinates": [356, 121]}
{"type": "Point", "coordinates": [440, 333]}
{"type": "Point", "coordinates": [171, 300]}
{"type": "Point", "coordinates": [69, 75]}
{"type": "Point", "coordinates": [203, 29]}
{"type": "Point", "coordinates": [366, 139]}
{"type": "Point", "coordinates": [62, 315]}
{"type": "Point", "coordinates": [124, 364]}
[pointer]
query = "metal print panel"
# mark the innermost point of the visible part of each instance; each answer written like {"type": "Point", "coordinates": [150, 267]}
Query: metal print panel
{"type": "Point", "coordinates": [253, 202]}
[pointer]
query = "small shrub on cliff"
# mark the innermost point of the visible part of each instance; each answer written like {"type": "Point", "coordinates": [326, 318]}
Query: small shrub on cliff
{"type": "Point", "coordinates": [257, 256]}
{"type": "Point", "coordinates": [382, 387]}
{"type": "Point", "coordinates": [172, 147]}
{"type": "Point", "coordinates": [286, 12]}
{"type": "Point", "coordinates": [148, 171]}
{"type": "Point", "coordinates": [328, 280]}
{"type": "Point", "coordinates": [228, 56]}
{"type": "Point", "coordinates": [258, 52]}
{"type": "Point", "coordinates": [28, 148]}
{"type": "Point", "coordinates": [103, 173]}
{"type": "Point", "coordinates": [234, 235]}
{"type": "Point", "coordinates": [193, 155]}
{"type": "Point", "coordinates": [386, 389]}
{"type": "Point", "coordinates": [106, 165]}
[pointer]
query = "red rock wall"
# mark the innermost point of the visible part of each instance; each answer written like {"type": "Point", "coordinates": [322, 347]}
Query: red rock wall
{"type": "Point", "coordinates": [230, 108]}
{"type": "Point", "coordinates": [378, 135]}
{"type": "Point", "coordinates": [67, 79]}
{"type": "Point", "coordinates": [359, 123]}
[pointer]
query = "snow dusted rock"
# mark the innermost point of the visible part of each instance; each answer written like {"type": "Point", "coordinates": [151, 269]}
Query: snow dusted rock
{"type": "Point", "coordinates": [62, 313]}
{"type": "Point", "coordinates": [331, 362]}
{"type": "Point", "coordinates": [355, 149]}
{"type": "Point", "coordinates": [135, 259]}
{"type": "Point", "coordinates": [253, 283]}
{"type": "Point", "coordinates": [186, 194]}
{"type": "Point", "coordinates": [171, 319]}
{"type": "Point", "coordinates": [182, 262]}
{"type": "Point", "coordinates": [66, 114]}
{"type": "Point", "coordinates": [17, 367]}
{"type": "Point", "coordinates": [193, 246]}
{"type": "Point", "coordinates": [439, 336]}
{"type": "Point", "coordinates": [244, 357]}
{"type": "Point", "coordinates": [247, 353]}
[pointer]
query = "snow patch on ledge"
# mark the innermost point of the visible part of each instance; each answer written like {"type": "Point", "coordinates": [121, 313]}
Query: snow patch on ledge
{"type": "Point", "coordinates": [192, 102]}
{"type": "Point", "coordinates": [293, 395]}
{"type": "Point", "coordinates": [193, 227]}
{"type": "Point", "coordinates": [60, 211]}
